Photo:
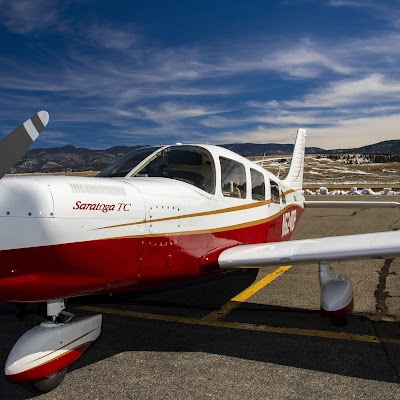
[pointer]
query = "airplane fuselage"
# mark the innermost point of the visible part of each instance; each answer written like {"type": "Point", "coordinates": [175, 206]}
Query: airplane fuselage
{"type": "Point", "coordinates": [82, 235]}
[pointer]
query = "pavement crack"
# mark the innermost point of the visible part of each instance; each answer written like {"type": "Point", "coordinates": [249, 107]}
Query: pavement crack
{"type": "Point", "coordinates": [385, 349]}
{"type": "Point", "coordinates": [381, 294]}
{"type": "Point", "coordinates": [356, 212]}
{"type": "Point", "coordinates": [393, 226]}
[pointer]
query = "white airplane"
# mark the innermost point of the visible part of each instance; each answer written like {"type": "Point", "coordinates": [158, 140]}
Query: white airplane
{"type": "Point", "coordinates": [157, 215]}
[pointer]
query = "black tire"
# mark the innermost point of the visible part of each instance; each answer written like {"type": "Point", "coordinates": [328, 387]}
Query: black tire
{"type": "Point", "coordinates": [339, 321]}
{"type": "Point", "coordinates": [48, 383]}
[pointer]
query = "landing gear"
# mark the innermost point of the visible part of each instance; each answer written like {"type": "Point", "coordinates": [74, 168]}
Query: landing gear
{"type": "Point", "coordinates": [48, 383]}
{"type": "Point", "coordinates": [41, 356]}
{"type": "Point", "coordinates": [336, 294]}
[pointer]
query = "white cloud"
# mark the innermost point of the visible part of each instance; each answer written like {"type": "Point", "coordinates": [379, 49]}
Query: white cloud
{"type": "Point", "coordinates": [295, 59]}
{"type": "Point", "coordinates": [173, 111]}
{"type": "Point", "coordinates": [28, 16]}
{"type": "Point", "coordinates": [32, 16]}
{"type": "Point", "coordinates": [278, 117]}
{"type": "Point", "coordinates": [387, 10]}
{"type": "Point", "coordinates": [349, 3]}
{"type": "Point", "coordinates": [352, 91]}
{"type": "Point", "coordinates": [355, 132]}
{"type": "Point", "coordinates": [345, 134]}
{"type": "Point", "coordinates": [145, 87]}
{"type": "Point", "coordinates": [260, 134]}
{"type": "Point", "coordinates": [109, 37]}
{"type": "Point", "coordinates": [305, 60]}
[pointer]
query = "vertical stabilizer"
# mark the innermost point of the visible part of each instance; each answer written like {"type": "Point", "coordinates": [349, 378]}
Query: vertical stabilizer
{"type": "Point", "coordinates": [294, 178]}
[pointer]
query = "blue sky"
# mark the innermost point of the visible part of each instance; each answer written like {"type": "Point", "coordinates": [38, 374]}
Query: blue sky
{"type": "Point", "coordinates": [221, 71]}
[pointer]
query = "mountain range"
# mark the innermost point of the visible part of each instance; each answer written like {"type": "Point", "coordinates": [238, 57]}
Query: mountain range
{"type": "Point", "coordinates": [76, 159]}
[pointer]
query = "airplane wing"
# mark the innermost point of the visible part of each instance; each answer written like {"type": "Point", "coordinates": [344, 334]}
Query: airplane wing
{"type": "Point", "coordinates": [16, 143]}
{"type": "Point", "coordinates": [351, 204]}
{"type": "Point", "coordinates": [336, 248]}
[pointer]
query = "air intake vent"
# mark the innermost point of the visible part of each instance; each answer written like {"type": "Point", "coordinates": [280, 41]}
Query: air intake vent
{"type": "Point", "coordinates": [79, 188]}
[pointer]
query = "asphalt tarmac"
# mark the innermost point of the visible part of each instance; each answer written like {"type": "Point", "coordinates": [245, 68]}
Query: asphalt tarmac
{"type": "Point", "coordinates": [191, 341]}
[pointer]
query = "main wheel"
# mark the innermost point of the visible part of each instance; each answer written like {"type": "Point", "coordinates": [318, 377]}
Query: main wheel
{"type": "Point", "coordinates": [48, 383]}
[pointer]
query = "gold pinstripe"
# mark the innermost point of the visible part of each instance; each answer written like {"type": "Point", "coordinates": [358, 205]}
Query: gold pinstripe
{"type": "Point", "coordinates": [200, 214]}
{"type": "Point", "coordinates": [211, 230]}
{"type": "Point", "coordinates": [61, 355]}
{"type": "Point", "coordinates": [46, 355]}
{"type": "Point", "coordinates": [289, 191]}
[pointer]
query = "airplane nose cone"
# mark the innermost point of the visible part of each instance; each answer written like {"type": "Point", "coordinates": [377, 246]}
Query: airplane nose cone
{"type": "Point", "coordinates": [25, 204]}
{"type": "Point", "coordinates": [25, 197]}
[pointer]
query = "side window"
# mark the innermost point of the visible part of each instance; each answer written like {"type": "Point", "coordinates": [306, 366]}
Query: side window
{"type": "Point", "coordinates": [275, 192]}
{"type": "Point", "coordinates": [283, 196]}
{"type": "Point", "coordinates": [233, 178]}
{"type": "Point", "coordinates": [257, 185]}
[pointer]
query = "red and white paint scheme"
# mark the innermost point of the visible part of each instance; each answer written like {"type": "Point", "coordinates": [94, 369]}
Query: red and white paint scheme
{"type": "Point", "coordinates": [157, 215]}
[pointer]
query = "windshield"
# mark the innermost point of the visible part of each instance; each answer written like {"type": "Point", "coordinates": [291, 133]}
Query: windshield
{"type": "Point", "coordinates": [190, 164]}
{"type": "Point", "coordinates": [125, 164]}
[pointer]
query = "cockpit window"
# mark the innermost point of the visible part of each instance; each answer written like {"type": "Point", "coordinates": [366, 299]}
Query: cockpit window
{"type": "Point", "coordinates": [125, 164]}
{"type": "Point", "coordinates": [188, 164]}
{"type": "Point", "coordinates": [233, 178]}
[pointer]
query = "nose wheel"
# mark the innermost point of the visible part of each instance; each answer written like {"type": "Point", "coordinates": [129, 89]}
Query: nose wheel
{"type": "Point", "coordinates": [48, 383]}
{"type": "Point", "coordinates": [40, 358]}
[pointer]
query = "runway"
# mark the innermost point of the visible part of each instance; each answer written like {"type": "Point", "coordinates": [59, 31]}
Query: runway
{"type": "Point", "coordinates": [244, 335]}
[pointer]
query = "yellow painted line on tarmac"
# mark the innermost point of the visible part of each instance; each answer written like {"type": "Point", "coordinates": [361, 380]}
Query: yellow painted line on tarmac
{"type": "Point", "coordinates": [245, 326]}
{"type": "Point", "coordinates": [236, 301]}
{"type": "Point", "coordinates": [390, 340]}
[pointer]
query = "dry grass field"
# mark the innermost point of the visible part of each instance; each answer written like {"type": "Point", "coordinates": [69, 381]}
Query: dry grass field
{"type": "Point", "coordinates": [338, 174]}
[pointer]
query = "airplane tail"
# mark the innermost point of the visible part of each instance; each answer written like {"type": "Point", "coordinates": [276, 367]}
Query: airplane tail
{"type": "Point", "coordinates": [294, 178]}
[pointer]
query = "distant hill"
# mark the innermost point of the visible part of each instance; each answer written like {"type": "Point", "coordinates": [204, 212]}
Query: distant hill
{"type": "Point", "coordinates": [74, 159]}
{"type": "Point", "coordinates": [69, 159]}
{"type": "Point", "coordinates": [386, 147]}
{"type": "Point", "coordinates": [269, 149]}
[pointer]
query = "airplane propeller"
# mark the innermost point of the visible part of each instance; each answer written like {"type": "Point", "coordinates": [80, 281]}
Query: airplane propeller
{"type": "Point", "coordinates": [16, 144]}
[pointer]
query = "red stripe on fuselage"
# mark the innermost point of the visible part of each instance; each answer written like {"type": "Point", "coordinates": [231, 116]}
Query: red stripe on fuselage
{"type": "Point", "coordinates": [101, 266]}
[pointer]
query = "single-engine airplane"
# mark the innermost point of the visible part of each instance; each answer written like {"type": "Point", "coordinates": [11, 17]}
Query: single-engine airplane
{"type": "Point", "coordinates": [154, 216]}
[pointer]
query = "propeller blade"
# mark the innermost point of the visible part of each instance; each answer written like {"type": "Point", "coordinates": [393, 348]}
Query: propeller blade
{"type": "Point", "coordinates": [16, 144]}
